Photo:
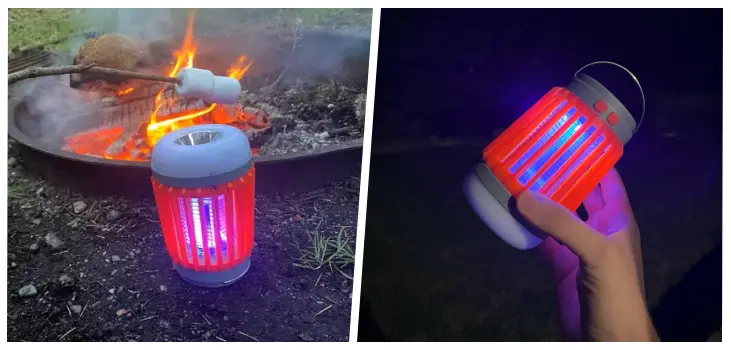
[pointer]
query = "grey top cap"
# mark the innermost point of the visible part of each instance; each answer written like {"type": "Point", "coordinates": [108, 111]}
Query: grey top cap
{"type": "Point", "coordinates": [590, 91]}
{"type": "Point", "coordinates": [201, 155]}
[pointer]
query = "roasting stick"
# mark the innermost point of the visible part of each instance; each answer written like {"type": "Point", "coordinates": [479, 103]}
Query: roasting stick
{"type": "Point", "coordinates": [36, 72]}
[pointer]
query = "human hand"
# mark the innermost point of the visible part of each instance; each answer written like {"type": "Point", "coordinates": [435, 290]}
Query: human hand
{"type": "Point", "coordinates": [598, 269]}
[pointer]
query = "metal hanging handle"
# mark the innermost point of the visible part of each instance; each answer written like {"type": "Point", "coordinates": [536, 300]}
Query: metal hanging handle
{"type": "Point", "coordinates": [637, 81]}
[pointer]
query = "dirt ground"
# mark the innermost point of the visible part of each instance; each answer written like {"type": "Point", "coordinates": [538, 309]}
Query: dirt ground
{"type": "Point", "coordinates": [100, 271]}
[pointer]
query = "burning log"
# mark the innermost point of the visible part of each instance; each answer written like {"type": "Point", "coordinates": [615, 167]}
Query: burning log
{"type": "Point", "coordinates": [167, 111]}
{"type": "Point", "coordinates": [118, 146]}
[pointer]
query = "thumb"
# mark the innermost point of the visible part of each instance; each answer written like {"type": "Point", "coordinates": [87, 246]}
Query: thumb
{"type": "Point", "coordinates": [561, 224]}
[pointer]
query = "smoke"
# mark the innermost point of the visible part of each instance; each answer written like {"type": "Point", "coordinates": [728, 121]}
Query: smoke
{"type": "Point", "coordinates": [54, 109]}
{"type": "Point", "coordinates": [261, 34]}
{"type": "Point", "coordinates": [318, 51]}
{"type": "Point", "coordinates": [145, 24]}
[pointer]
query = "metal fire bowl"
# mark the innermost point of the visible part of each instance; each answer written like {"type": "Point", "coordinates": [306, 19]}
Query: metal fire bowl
{"type": "Point", "coordinates": [293, 172]}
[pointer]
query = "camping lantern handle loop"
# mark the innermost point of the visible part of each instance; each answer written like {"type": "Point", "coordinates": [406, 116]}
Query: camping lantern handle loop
{"type": "Point", "coordinates": [642, 92]}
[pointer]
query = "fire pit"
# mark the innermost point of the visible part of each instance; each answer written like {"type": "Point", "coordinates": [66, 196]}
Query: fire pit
{"type": "Point", "coordinates": [102, 146]}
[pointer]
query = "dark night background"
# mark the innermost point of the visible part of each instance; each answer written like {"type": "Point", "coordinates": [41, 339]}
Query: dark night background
{"type": "Point", "coordinates": [432, 270]}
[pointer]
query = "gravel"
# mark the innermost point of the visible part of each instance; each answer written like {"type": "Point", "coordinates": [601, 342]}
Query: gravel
{"type": "Point", "coordinates": [278, 299]}
{"type": "Point", "coordinates": [79, 207]}
{"type": "Point", "coordinates": [28, 291]}
{"type": "Point", "coordinates": [53, 241]}
{"type": "Point", "coordinates": [66, 281]}
{"type": "Point", "coordinates": [113, 215]}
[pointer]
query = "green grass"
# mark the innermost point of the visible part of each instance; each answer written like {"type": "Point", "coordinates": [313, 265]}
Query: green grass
{"type": "Point", "coordinates": [22, 193]}
{"type": "Point", "coordinates": [334, 253]}
{"type": "Point", "coordinates": [27, 27]}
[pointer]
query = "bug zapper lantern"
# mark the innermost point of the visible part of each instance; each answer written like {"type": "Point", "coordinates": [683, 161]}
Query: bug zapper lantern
{"type": "Point", "coordinates": [561, 147]}
{"type": "Point", "coordinates": [203, 181]}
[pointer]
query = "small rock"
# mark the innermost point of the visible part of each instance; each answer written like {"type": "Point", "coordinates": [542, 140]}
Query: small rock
{"type": "Point", "coordinates": [74, 223]}
{"type": "Point", "coordinates": [76, 309]}
{"type": "Point", "coordinates": [12, 161]}
{"type": "Point", "coordinates": [113, 215]}
{"type": "Point", "coordinates": [28, 291]}
{"type": "Point", "coordinates": [53, 241]}
{"type": "Point", "coordinates": [36, 222]}
{"type": "Point", "coordinates": [34, 248]}
{"type": "Point", "coordinates": [225, 318]}
{"type": "Point", "coordinates": [66, 281]}
{"type": "Point", "coordinates": [41, 192]}
{"type": "Point", "coordinates": [111, 291]}
{"type": "Point", "coordinates": [79, 206]}
{"type": "Point", "coordinates": [137, 251]}
{"type": "Point", "coordinates": [13, 264]}
{"type": "Point", "coordinates": [163, 288]}
{"type": "Point", "coordinates": [121, 312]}
{"type": "Point", "coordinates": [11, 256]}
{"type": "Point", "coordinates": [305, 337]}
{"type": "Point", "coordinates": [115, 258]}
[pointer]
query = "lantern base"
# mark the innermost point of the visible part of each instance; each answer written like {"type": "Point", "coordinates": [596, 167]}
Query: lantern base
{"type": "Point", "coordinates": [214, 279]}
{"type": "Point", "coordinates": [480, 187]}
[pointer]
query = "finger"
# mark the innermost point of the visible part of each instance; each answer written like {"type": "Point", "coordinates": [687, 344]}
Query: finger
{"type": "Point", "coordinates": [560, 223]}
{"type": "Point", "coordinates": [594, 201]}
{"type": "Point", "coordinates": [560, 257]}
{"type": "Point", "coordinates": [548, 248]}
{"type": "Point", "coordinates": [613, 191]}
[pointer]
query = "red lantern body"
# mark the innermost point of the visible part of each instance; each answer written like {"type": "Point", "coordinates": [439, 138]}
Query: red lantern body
{"type": "Point", "coordinates": [208, 229]}
{"type": "Point", "coordinates": [203, 181]}
{"type": "Point", "coordinates": [561, 147]}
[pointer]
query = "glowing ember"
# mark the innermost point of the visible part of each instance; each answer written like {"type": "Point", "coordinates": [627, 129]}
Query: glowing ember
{"type": "Point", "coordinates": [126, 91]}
{"type": "Point", "coordinates": [136, 145]}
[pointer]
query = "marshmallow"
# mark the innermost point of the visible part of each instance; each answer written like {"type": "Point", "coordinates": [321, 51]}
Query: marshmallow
{"type": "Point", "coordinates": [201, 83]}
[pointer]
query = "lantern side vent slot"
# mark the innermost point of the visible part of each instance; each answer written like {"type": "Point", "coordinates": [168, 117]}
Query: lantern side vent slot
{"type": "Point", "coordinates": [202, 213]}
{"type": "Point", "coordinates": [556, 166]}
{"type": "Point", "coordinates": [542, 141]}
{"type": "Point", "coordinates": [545, 120]}
{"type": "Point", "coordinates": [578, 162]}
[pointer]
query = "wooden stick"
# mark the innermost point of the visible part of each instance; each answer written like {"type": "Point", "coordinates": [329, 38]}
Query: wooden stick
{"type": "Point", "coordinates": [36, 72]}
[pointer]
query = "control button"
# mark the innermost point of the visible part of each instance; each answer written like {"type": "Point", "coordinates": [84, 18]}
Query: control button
{"type": "Point", "coordinates": [613, 119]}
{"type": "Point", "coordinates": [600, 107]}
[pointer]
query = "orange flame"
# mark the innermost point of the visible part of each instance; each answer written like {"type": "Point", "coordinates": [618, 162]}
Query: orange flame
{"type": "Point", "coordinates": [237, 70]}
{"type": "Point", "coordinates": [97, 142]}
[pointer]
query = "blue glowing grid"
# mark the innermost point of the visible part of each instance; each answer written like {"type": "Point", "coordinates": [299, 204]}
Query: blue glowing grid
{"type": "Point", "coordinates": [578, 161]}
{"type": "Point", "coordinates": [207, 218]}
{"type": "Point", "coordinates": [543, 122]}
{"type": "Point", "coordinates": [531, 171]}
